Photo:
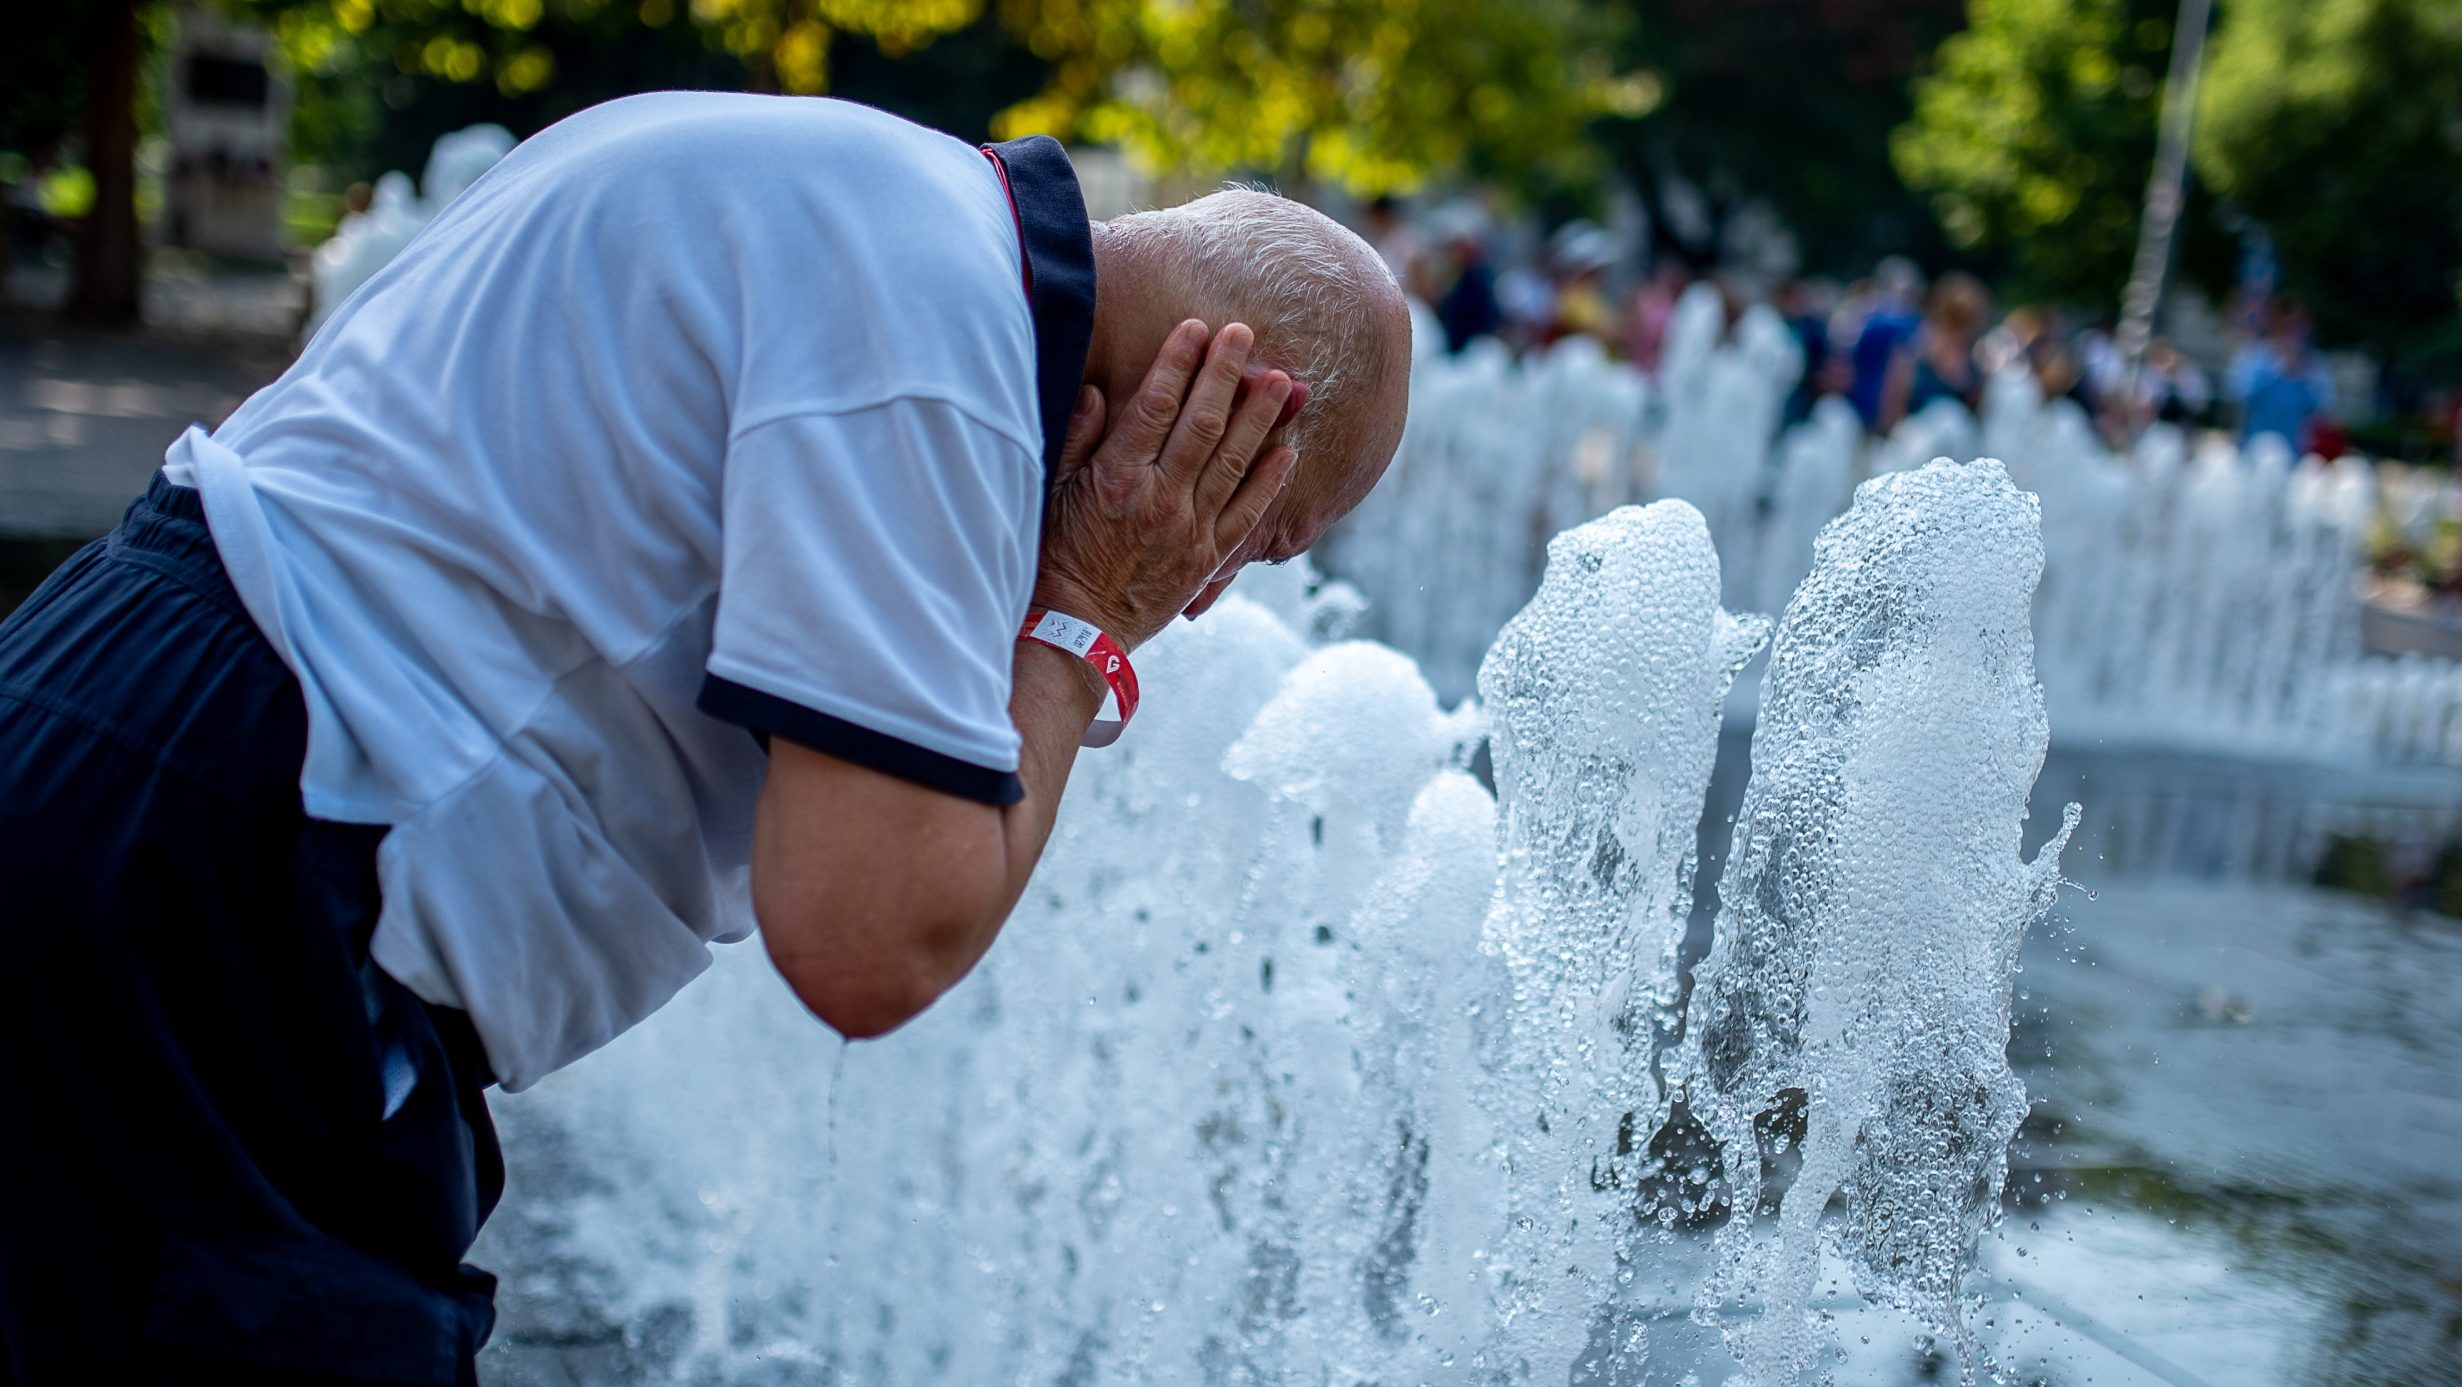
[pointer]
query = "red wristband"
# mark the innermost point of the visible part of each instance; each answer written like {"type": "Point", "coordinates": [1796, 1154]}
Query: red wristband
{"type": "Point", "coordinates": [1086, 641]}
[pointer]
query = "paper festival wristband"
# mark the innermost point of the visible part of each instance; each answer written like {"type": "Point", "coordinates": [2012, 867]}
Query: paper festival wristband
{"type": "Point", "coordinates": [1086, 641]}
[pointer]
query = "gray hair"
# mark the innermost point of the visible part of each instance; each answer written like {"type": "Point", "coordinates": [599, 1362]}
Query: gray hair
{"type": "Point", "coordinates": [1301, 280]}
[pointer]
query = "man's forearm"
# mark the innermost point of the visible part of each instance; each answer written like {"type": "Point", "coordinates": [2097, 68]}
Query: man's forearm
{"type": "Point", "coordinates": [1053, 697]}
{"type": "Point", "coordinates": [867, 949]}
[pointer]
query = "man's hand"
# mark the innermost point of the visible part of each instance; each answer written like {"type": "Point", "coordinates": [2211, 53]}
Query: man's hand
{"type": "Point", "coordinates": [875, 895]}
{"type": "Point", "coordinates": [1134, 532]}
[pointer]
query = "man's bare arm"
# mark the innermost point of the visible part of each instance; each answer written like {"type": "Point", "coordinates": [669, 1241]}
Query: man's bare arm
{"type": "Point", "coordinates": [876, 895]}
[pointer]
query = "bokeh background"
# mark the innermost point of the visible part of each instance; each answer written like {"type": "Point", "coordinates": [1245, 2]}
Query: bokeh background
{"type": "Point", "coordinates": [2194, 269]}
{"type": "Point", "coordinates": [1533, 169]}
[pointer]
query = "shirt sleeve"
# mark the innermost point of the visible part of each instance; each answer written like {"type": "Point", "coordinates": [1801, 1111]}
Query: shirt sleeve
{"type": "Point", "coordinates": [876, 565]}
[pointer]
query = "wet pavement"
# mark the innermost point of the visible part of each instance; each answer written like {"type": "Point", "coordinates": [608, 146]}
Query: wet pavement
{"type": "Point", "coordinates": [2248, 1105]}
{"type": "Point", "coordinates": [2239, 1169]}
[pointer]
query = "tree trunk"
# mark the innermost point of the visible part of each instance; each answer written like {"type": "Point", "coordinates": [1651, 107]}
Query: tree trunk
{"type": "Point", "coordinates": [108, 283]}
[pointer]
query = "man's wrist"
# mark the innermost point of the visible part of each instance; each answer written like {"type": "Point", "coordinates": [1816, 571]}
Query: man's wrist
{"type": "Point", "coordinates": [1085, 682]}
{"type": "Point", "coordinates": [1050, 597]}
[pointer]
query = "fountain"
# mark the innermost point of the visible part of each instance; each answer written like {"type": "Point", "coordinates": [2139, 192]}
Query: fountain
{"type": "Point", "coordinates": [365, 242]}
{"type": "Point", "coordinates": [1304, 1059]}
{"type": "Point", "coordinates": [1872, 908]}
{"type": "Point", "coordinates": [1604, 698]}
{"type": "Point", "coordinates": [2192, 596]}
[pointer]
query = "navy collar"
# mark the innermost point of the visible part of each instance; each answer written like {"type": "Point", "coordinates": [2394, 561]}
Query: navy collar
{"type": "Point", "coordinates": [1059, 248]}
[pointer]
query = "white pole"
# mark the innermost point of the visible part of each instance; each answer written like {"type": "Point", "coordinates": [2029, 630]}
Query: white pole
{"type": "Point", "coordinates": [2165, 190]}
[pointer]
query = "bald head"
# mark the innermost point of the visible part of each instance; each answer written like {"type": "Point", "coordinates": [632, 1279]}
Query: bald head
{"type": "Point", "coordinates": [1324, 309]}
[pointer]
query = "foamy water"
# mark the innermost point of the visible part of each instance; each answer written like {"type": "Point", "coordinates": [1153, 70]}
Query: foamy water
{"type": "Point", "coordinates": [1871, 911]}
{"type": "Point", "coordinates": [1306, 1060]}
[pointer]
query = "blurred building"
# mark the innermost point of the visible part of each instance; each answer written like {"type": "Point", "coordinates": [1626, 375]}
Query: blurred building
{"type": "Point", "coordinates": [227, 112]}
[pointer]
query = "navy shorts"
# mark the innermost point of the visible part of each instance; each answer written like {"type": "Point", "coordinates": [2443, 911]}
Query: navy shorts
{"type": "Point", "coordinates": [233, 1149]}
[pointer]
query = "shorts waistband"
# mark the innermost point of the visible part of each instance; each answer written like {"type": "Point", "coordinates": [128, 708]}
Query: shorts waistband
{"type": "Point", "coordinates": [165, 530]}
{"type": "Point", "coordinates": [173, 500]}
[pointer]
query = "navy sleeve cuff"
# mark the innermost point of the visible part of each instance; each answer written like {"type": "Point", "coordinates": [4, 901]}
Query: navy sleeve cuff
{"type": "Point", "coordinates": [768, 714]}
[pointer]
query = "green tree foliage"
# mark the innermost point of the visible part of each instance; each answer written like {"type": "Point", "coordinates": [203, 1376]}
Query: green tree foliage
{"type": "Point", "coordinates": [382, 78]}
{"type": "Point", "coordinates": [1372, 95]}
{"type": "Point", "coordinates": [2337, 124]}
{"type": "Point", "coordinates": [522, 46]}
{"type": "Point", "coordinates": [44, 74]}
{"type": "Point", "coordinates": [2035, 134]}
{"type": "Point", "coordinates": [1782, 101]}
{"type": "Point", "coordinates": [377, 82]}
{"type": "Point", "coordinates": [73, 69]}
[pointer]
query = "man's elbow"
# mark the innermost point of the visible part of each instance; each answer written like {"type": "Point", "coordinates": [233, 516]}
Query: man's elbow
{"type": "Point", "coordinates": [862, 1009]}
{"type": "Point", "coordinates": [879, 983]}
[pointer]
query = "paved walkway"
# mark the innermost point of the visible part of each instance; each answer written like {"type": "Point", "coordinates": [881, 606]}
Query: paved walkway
{"type": "Point", "coordinates": [85, 416]}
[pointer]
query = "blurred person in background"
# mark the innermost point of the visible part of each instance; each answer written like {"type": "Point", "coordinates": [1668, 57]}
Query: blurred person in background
{"type": "Point", "coordinates": [2102, 370]}
{"type": "Point", "coordinates": [1937, 362]}
{"type": "Point", "coordinates": [1807, 307]}
{"type": "Point", "coordinates": [2036, 340]}
{"type": "Point", "coordinates": [1385, 225]}
{"type": "Point", "coordinates": [2170, 389]}
{"type": "Point", "coordinates": [1883, 321]}
{"type": "Point", "coordinates": [2280, 383]}
{"type": "Point", "coordinates": [1526, 297]}
{"type": "Point", "coordinates": [2014, 340]}
{"type": "Point", "coordinates": [1654, 306]}
{"type": "Point", "coordinates": [2060, 375]}
{"type": "Point", "coordinates": [1582, 255]}
{"type": "Point", "coordinates": [1466, 304]}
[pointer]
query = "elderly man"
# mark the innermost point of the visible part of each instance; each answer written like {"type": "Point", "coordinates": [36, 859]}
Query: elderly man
{"type": "Point", "coordinates": [730, 509]}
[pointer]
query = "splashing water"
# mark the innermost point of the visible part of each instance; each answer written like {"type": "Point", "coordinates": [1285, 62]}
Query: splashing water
{"type": "Point", "coordinates": [1305, 1060]}
{"type": "Point", "coordinates": [1604, 696]}
{"type": "Point", "coordinates": [1872, 908]}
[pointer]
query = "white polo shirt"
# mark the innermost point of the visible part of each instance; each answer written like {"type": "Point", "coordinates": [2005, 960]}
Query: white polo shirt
{"type": "Point", "coordinates": [699, 413]}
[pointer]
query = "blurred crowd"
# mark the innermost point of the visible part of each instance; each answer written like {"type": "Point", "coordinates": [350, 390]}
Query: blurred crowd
{"type": "Point", "coordinates": [1890, 343]}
